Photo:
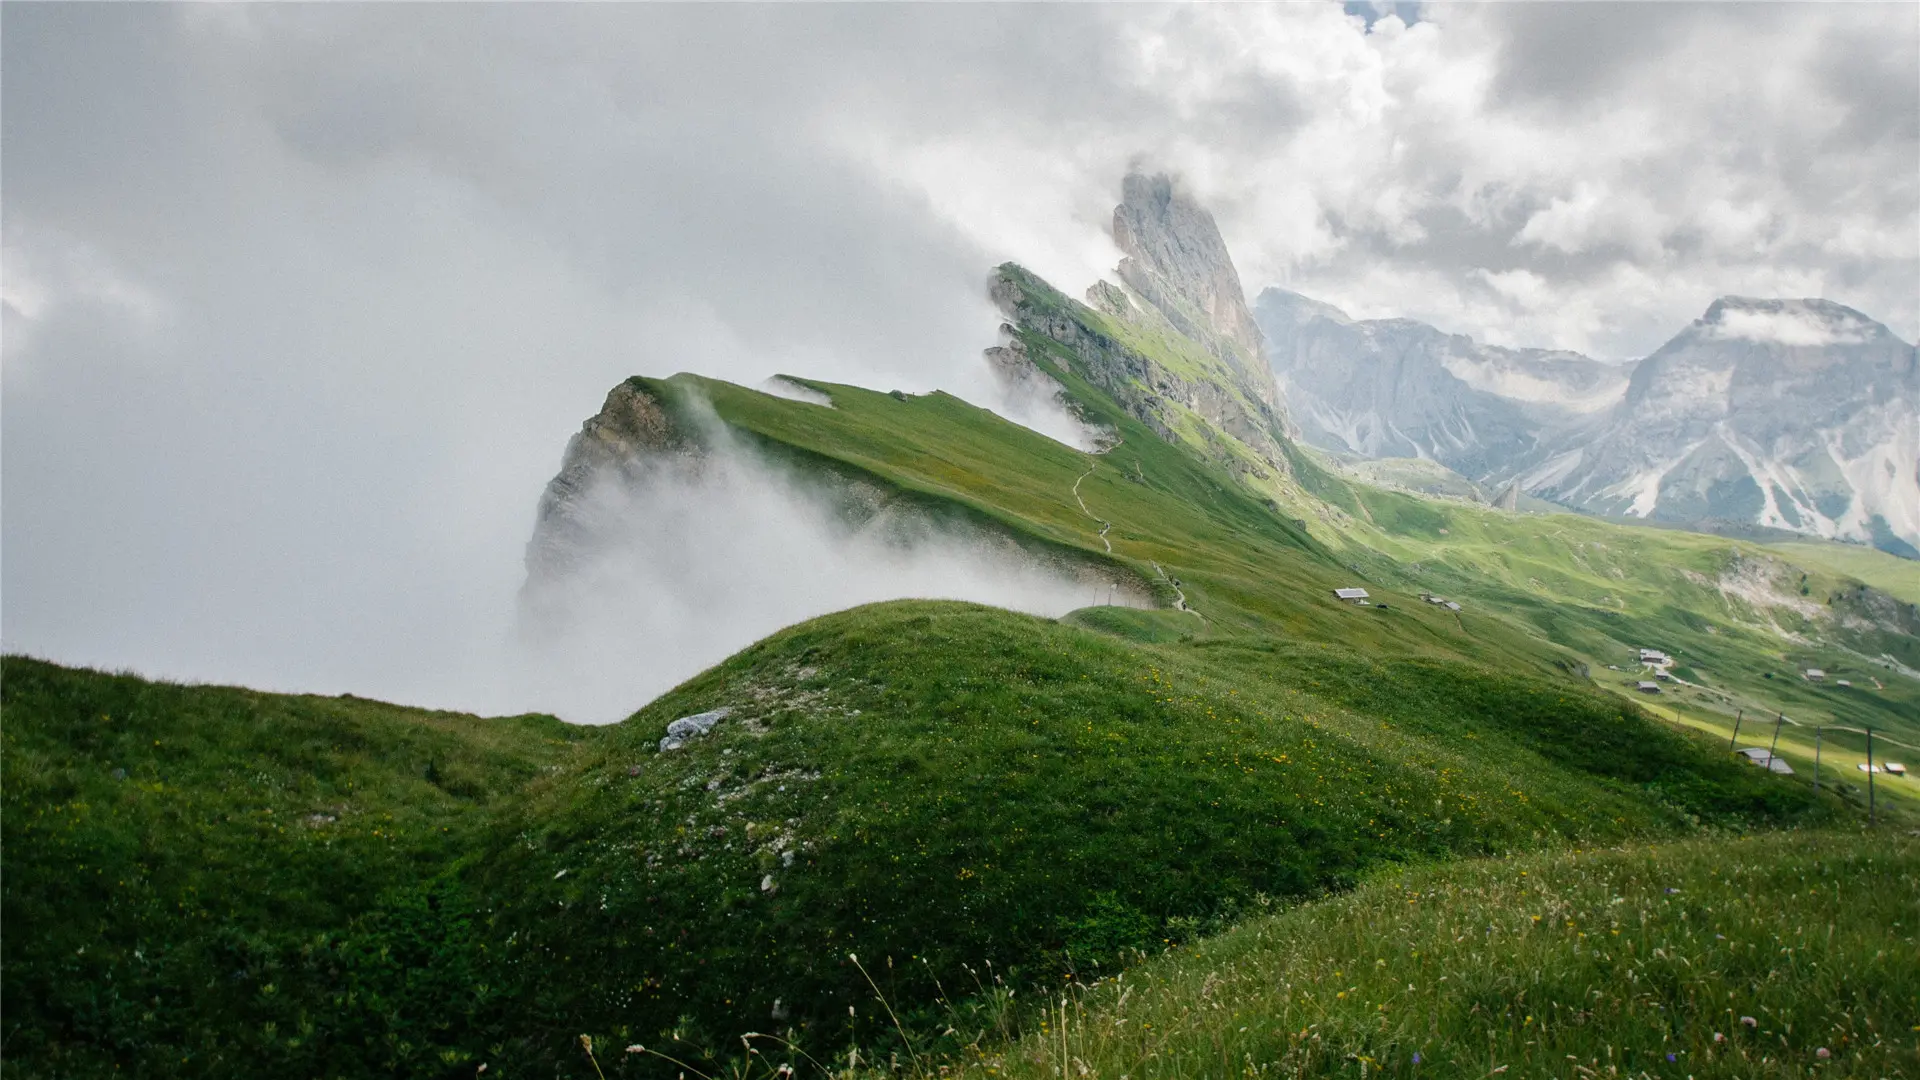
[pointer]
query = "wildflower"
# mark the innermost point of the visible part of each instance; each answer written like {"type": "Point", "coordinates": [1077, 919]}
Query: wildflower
{"type": "Point", "coordinates": [1673, 1057]}
{"type": "Point", "coordinates": [1750, 1021]}
{"type": "Point", "coordinates": [1719, 1038]}
{"type": "Point", "coordinates": [1416, 1057]}
{"type": "Point", "coordinates": [635, 1048]}
{"type": "Point", "coordinates": [1823, 1053]}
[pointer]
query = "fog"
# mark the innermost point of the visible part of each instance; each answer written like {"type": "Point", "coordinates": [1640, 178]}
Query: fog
{"type": "Point", "coordinates": [678, 568]}
{"type": "Point", "coordinates": [299, 304]}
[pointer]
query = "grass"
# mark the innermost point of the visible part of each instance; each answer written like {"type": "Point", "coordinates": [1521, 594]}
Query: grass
{"type": "Point", "coordinates": [212, 881]}
{"type": "Point", "coordinates": [1890, 573]}
{"type": "Point", "coordinates": [982, 804]}
{"type": "Point", "coordinates": [935, 787]}
{"type": "Point", "coordinates": [959, 787]}
{"type": "Point", "coordinates": [1710, 958]}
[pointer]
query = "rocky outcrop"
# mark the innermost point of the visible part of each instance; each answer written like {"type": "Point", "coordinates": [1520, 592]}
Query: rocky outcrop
{"type": "Point", "coordinates": [1801, 415]}
{"type": "Point", "coordinates": [1149, 390]}
{"type": "Point", "coordinates": [1397, 388]}
{"type": "Point", "coordinates": [1177, 261]}
{"type": "Point", "coordinates": [635, 428]}
{"type": "Point", "coordinates": [692, 727]}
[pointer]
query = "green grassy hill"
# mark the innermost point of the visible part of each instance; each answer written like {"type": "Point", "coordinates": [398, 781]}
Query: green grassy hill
{"type": "Point", "coordinates": [205, 881]}
{"type": "Point", "coordinates": [341, 888]}
{"type": "Point", "coordinates": [1775, 956]}
{"type": "Point", "coordinates": [976, 803]}
{"type": "Point", "coordinates": [932, 785]}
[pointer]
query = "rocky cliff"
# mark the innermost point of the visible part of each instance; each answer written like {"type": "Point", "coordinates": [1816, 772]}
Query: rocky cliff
{"type": "Point", "coordinates": [1790, 414]}
{"type": "Point", "coordinates": [635, 430]}
{"type": "Point", "coordinates": [1392, 388]}
{"type": "Point", "coordinates": [1161, 379]}
{"type": "Point", "coordinates": [1177, 262]}
{"type": "Point", "coordinates": [1798, 415]}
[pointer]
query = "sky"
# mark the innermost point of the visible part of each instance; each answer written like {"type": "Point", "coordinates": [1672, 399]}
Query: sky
{"type": "Point", "coordinates": [302, 302]}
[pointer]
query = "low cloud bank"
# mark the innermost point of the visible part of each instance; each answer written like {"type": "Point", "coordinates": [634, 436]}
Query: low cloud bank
{"type": "Point", "coordinates": [699, 558]}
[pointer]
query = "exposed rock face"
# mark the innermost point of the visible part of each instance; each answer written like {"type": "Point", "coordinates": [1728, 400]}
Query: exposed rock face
{"type": "Point", "coordinates": [1177, 261]}
{"type": "Point", "coordinates": [1148, 389]}
{"type": "Point", "coordinates": [1790, 414]}
{"type": "Point", "coordinates": [1400, 388]}
{"type": "Point", "coordinates": [632, 429]}
{"type": "Point", "coordinates": [1799, 415]}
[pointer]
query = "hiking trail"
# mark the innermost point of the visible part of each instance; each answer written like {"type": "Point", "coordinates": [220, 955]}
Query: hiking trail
{"type": "Point", "coordinates": [1104, 523]}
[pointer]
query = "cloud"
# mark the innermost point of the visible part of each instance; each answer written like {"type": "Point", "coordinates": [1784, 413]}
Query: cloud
{"type": "Point", "coordinates": [303, 302]}
{"type": "Point", "coordinates": [695, 559]}
{"type": "Point", "coordinates": [1790, 326]}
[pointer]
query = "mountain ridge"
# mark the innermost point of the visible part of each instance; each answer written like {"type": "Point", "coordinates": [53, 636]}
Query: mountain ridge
{"type": "Point", "coordinates": [1791, 414]}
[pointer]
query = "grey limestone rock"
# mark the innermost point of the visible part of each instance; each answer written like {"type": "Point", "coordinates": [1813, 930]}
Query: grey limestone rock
{"type": "Point", "coordinates": [1177, 261]}
{"type": "Point", "coordinates": [692, 727]}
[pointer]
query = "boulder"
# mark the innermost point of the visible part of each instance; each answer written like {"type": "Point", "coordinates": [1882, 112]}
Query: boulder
{"type": "Point", "coordinates": [688, 727]}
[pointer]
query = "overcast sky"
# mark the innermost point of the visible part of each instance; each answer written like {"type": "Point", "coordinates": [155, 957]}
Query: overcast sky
{"type": "Point", "coordinates": [302, 303]}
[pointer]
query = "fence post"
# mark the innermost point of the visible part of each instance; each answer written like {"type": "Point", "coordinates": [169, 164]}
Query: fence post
{"type": "Point", "coordinates": [1817, 732]}
{"type": "Point", "coordinates": [1776, 740]}
{"type": "Point", "coordinates": [1872, 816]}
{"type": "Point", "coordinates": [1732, 743]}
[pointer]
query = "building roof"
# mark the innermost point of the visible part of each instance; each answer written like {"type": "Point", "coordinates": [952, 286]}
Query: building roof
{"type": "Point", "coordinates": [1815, 673]}
{"type": "Point", "coordinates": [1451, 606]}
{"type": "Point", "coordinates": [1350, 594]}
{"type": "Point", "coordinates": [1766, 760]}
{"type": "Point", "coordinates": [1646, 687]}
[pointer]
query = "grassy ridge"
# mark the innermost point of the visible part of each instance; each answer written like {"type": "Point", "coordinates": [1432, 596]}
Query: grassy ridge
{"type": "Point", "coordinates": [1900, 577]}
{"type": "Point", "coordinates": [204, 880]}
{"type": "Point", "coordinates": [1621, 962]}
{"type": "Point", "coordinates": [936, 785]}
{"type": "Point", "coordinates": [235, 883]}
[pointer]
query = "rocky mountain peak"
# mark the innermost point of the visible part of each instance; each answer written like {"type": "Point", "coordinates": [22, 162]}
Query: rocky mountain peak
{"type": "Point", "coordinates": [1803, 323]}
{"type": "Point", "coordinates": [1177, 261]}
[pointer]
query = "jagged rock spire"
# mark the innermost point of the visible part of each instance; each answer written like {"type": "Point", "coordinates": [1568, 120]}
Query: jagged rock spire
{"type": "Point", "coordinates": [1177, 261]}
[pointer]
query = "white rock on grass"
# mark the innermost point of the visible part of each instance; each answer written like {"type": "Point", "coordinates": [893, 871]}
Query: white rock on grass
{"type": "Point", "coordinates": [688, 727]}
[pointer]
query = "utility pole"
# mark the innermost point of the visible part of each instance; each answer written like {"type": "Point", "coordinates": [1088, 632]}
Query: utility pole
{"type": "Point", "coordinates": [1776, 740]}
{"type": "Point", "coordinates": [1872, 817]}
{"type": "Point", "coordinates": [1733, 742]}
{"type": "Point", "coordinates": [1817, 732]}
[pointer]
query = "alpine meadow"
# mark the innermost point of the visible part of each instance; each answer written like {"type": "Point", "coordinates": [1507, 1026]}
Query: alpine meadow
{"type": "Point", "coordinates": [1210, 684]}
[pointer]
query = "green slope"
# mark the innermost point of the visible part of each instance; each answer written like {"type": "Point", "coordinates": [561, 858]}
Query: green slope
{"type": "Point", "coordinates": [962, 786]}
{"type": "Point", "coordinates": [212, 881]}
{"type": "Point", "coordinates": [333, 887]}
{"type": "Point", "coordinates": [1889, 573]}
{"type": "Point", "coordinates": [1627, 962]}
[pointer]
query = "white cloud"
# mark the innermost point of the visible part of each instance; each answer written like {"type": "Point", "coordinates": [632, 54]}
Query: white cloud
{"type": "Point", "coordinates": [304, 301]}
{"type": "Point", "coordinates": [695, 560]}
{"type": "Point", "coordinates": [1792, 326]}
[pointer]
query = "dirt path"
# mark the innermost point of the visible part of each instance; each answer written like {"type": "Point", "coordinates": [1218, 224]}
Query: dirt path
{"type": "Point", "coordinates": [1104, 523]}
{"type": "Point", "coordinates": [1179, 596]}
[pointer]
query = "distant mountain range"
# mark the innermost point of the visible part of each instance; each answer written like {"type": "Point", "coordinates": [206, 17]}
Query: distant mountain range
{"type": "Point", "coordinates": [1798, 415]}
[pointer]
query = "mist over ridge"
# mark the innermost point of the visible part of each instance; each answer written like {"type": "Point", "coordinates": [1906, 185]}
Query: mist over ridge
{"type": "Point", "coordinates": [302, 303]}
